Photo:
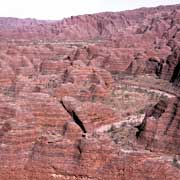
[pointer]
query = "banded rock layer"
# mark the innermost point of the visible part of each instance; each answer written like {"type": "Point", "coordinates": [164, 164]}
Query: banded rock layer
{"type": "Point", "coordinates": [91, 97]}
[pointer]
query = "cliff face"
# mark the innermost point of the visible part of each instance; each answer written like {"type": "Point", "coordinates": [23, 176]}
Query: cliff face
{"type": "Point", "coordinates": [101, 25]}
{"type": "Point", "coordinates": [161, 127]}
{"type": "Point", "coordinates": [148, 39]}
{"type": "Point", "coordinates": [91, 97]}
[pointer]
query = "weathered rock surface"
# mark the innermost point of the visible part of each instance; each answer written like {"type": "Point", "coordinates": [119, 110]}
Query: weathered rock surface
{"type": "Point", "coordinates": [161, 127]}
{"type": "Point", "coordinates": [92, 97]}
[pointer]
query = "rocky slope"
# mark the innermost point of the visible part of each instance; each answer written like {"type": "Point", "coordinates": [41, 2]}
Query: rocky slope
{"type": "Point", "coordinates": [91, 97]}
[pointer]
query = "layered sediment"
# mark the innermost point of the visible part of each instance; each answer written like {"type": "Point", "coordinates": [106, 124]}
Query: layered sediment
{"type": "Point", "coordinates": [91, 97]}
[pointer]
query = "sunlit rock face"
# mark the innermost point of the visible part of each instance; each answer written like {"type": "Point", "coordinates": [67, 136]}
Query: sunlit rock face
{"type": "Point", "coordinates": [91, 97]}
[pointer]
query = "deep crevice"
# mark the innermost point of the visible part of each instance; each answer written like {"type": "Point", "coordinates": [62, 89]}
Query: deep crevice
{"type": "Point", "coordinates": [78, 121]}
{"type": "Point", "coordinates": [141, 128]}
{"type": "Point", "coordinates": [75, 118]}
{"type": "Point", "coordinates": [176, 74]}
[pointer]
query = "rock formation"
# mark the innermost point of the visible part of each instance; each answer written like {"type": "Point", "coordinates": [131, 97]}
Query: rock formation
{"type": "Point", "coordinates": [91, 97]}
{"type": "Point", "coordinates": [161, 127]}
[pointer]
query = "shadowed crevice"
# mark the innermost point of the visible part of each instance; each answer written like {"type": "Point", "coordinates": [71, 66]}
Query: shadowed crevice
{"type": "Point", "coordinates": [141, 127]}
{"type": "Point", "coordinates": [176, 74]}
{"type": "Point", "coordinates": [75, 118]}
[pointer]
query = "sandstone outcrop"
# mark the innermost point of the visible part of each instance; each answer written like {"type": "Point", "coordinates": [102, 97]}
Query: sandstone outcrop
{"type": "Point", "coordinates": [91, 97]}
{"type": "Point", "coordinates": [160, 131]}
